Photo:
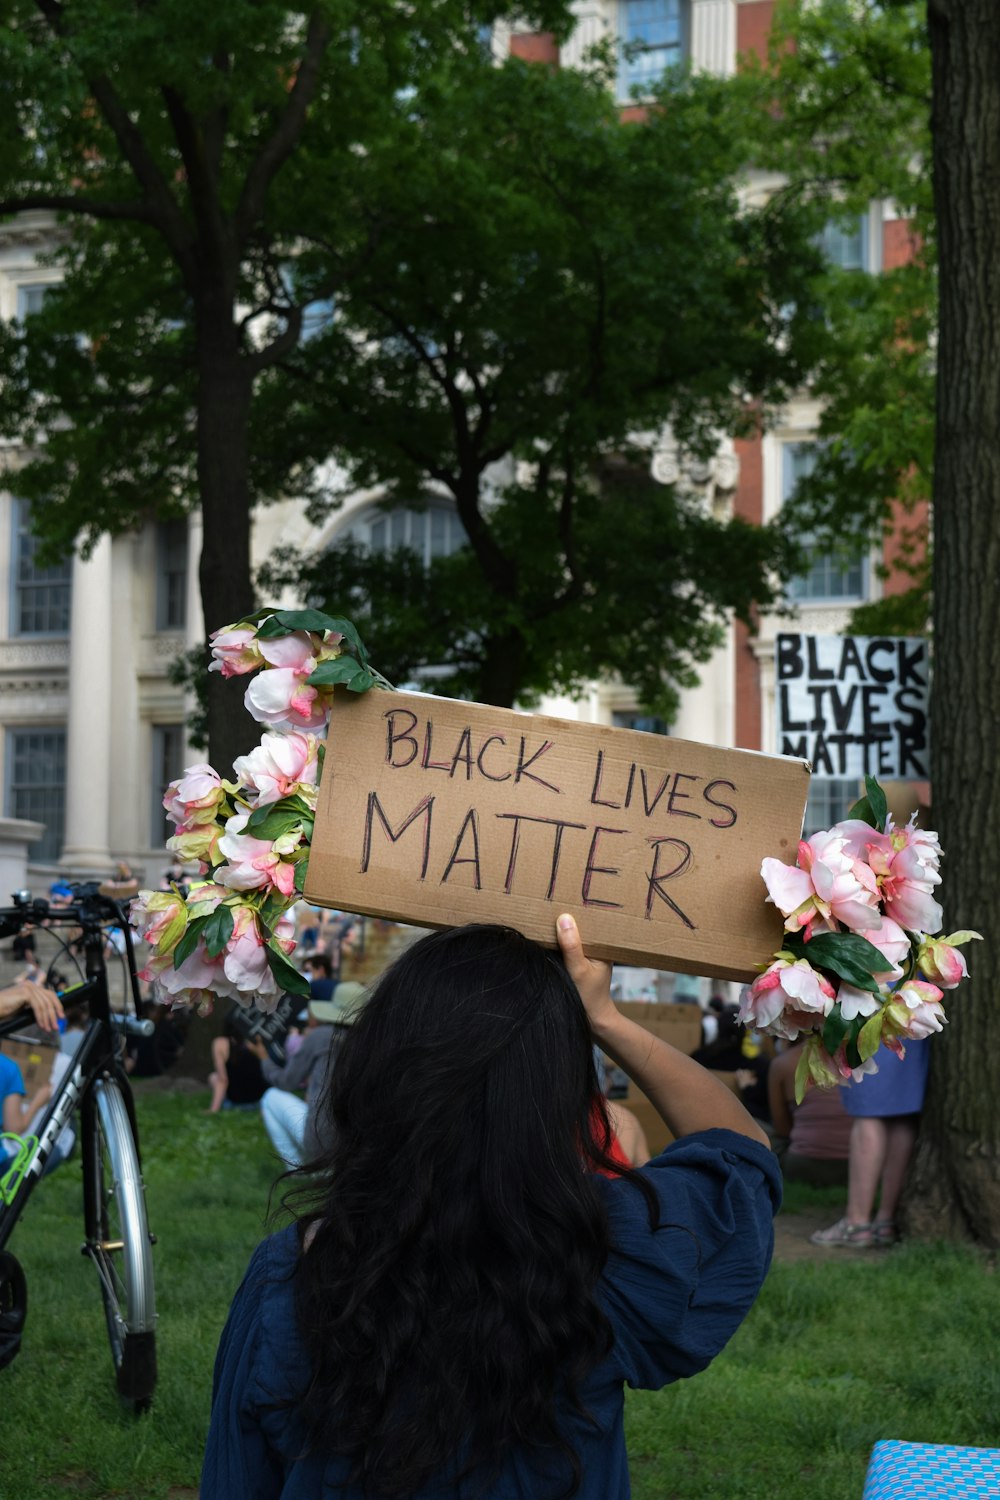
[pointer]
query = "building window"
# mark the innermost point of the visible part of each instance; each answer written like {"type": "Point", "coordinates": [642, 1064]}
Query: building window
{"type": "Point", "coordinates": [432, 532]}
{"type": "Point", "coordinates": [649, 723]}
{"type": "Point", "coordinates": [36, 786]}
{"type": "Point", "coordinates": [829, 576]}
{"type": "Point", "coordinates": [39, 595]}
{"type": "Point", "coordinates": [171, 575]}
{"type": "Point", "coordinates": [29, 301]}
{"type": "Point", "coordinates": [830, 800]}
{"type": "Point", "coordinates": [168, 765]}
{"type": "Point", "coordinates": [845, 244]}
{"type": "Point", "coordinates": [651, 37]}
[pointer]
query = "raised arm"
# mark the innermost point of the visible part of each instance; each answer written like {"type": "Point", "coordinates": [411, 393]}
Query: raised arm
{"type": "Point", "coordinates": [686, 1096]}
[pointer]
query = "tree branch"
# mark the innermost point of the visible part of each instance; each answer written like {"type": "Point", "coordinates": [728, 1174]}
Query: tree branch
{"type": "Point", "coordinates": [164, 211]}
{"type": "Point", "coordinates": [202, 181]}
{"type": "Point", "coordinates": [275, 151]}
{"type": "Point", "coordinates": [71, 203]}
{"type": "Point", "coordinates": [282, 344]}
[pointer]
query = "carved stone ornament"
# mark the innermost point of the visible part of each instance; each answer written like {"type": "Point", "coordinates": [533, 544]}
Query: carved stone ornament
{"type": "Point", "coordinates": [711, 481]}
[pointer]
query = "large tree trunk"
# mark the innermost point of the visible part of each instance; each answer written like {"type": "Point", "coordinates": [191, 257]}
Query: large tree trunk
{"type": "Point", "coordinates": [955, 1184]}
{"type": "Point", "coordinates": [500, 676]}
{"type": "Point", "coordinates": [224, 402]}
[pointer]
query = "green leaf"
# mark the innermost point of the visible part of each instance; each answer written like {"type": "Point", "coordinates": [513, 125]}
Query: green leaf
{"type": "Point", "coordinates": [189, 941]}
{"type": "Point", "coordinates": [870, 1035]}
{"type": "Point", "coordinates": [287, 976]}
{"type": "Point", "coordinates": [835, 1029]}
{"type": "Point", "coordinates": [872, 808]}
{"type": "Point", "coordinates": [362, 682]}
{"type": "Point", "coordinates": [271, 822]}
{"type": "Point", "coordinates": [285, 621]}
{"type": "Point", "coordinates": [339, 669]}
{"type": "Point", "coordinates": [802, 1075]}
{"type": "Point", "coordinates": [851, 1052]}
{"type": "Point", "coordinates": [218, 930]}
{"type": "Point", "coordinates": [301, 871]}
{"type": "Point", "coordinates": [848, 955]}
{"type": "Point", "coordinates": [876, 801]}
{"type": "Point", "coordinates": [351, 635]}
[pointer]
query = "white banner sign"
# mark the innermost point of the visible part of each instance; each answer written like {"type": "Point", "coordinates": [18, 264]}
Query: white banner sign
{"type": "Point", "coordinates": [854, 706]}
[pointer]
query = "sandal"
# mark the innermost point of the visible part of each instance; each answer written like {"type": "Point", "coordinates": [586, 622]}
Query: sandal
{"type": "Point", "coordinates": [846, 1234]}
{"type": "Point", "coordinates": [884, 1234]}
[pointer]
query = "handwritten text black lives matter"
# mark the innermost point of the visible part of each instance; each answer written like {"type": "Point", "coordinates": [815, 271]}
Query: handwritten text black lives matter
{"type": "Point", "coordinates": [452, 840]}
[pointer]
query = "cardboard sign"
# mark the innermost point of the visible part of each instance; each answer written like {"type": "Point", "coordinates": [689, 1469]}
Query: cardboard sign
{"type": "Point", "coordinates": [855, 706]}
{"type": "Point", "coordinates": [438, 812]}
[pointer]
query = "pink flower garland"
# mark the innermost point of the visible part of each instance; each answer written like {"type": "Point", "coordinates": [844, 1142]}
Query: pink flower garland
{"type": "Point", "coordinates": [859, 966]}
{"type": "Point", "coordinates": [230, 937]}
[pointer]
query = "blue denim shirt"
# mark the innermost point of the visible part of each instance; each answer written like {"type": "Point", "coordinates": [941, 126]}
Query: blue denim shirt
{"type": "Point", "coordinates": [674, 1297]}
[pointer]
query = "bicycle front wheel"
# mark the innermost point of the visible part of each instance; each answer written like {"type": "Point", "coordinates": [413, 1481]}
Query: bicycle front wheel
{"type": "Point", "coordinates": [118, 1239]}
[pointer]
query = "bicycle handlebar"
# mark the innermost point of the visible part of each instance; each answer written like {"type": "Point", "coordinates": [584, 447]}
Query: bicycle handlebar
{"type": "Point", "coordinates": [131, 1026]}
{"type": "Point", "coordinates": [88, 908]}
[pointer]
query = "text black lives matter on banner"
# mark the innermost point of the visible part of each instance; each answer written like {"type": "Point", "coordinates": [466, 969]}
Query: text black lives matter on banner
{"type": "Point", "coordinates": [437, 812]}
{"type": "Point", "coordinates": [854, 706]}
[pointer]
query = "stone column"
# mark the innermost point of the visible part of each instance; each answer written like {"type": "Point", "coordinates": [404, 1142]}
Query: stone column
{"type": "Point", "coordinates": [592, 24]}
{"type": "Point", "coordinates": [88, 737]}
{"type": "Point", "coordinates": [713, 36]}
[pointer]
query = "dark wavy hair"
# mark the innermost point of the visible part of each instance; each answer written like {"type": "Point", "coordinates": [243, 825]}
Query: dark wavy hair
{"type": "Point", "coordinates": [446, 1298]}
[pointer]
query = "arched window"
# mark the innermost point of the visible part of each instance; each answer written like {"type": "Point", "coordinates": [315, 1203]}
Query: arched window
{"type": "Point", "coordinates": [433, 531]}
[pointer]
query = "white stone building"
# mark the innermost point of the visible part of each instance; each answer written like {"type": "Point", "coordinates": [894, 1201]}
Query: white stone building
{"type": "Point", "coordinates": [92, 729]}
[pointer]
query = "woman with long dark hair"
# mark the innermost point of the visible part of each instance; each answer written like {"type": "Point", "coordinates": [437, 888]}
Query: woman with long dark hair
{"type": "Point", "coordinates": [464, 1294]}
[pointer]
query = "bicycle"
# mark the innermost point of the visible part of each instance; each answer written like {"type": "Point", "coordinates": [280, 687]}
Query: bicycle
{"type": "Point", "coordinates": [117, 1237]}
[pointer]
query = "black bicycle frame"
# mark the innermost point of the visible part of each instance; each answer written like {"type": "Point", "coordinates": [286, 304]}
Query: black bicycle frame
{"type": "Point", "coordinates": [95, 1055]}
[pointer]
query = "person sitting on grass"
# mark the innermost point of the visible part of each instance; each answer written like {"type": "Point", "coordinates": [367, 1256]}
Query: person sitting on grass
{"type": "Point", "coordinates": [463, 1297]}
{"type": "Point", "coordinates": [236, 1080]}
{"type": "Point", "coordinates": [290, 1121]}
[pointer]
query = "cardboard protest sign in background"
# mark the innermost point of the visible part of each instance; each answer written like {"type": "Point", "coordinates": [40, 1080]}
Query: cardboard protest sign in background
{"type": "Point", "coordinates": [439, 812]}
{"type": "Point", "coordinates": [854, 706]}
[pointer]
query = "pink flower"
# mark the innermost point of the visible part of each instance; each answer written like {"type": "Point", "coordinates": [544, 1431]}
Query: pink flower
{"type": "Point", "coordinates": [251, 863]}
{"type": "Point", "coordinates": [905, 862]}
{"type": "Point", "coordinates": [854, 1002]}
{"type": "Point", "coordinates": [281, 764]}
{"type": "Point", "coordinates": [196, 797]}
{"type": "Point", "coordinates": [245, 958]}
{"type": "Point", "coordinates": [197, 972]}
{"type": "Point", "coordinates": [200, 843]}
{"type": "Point", "coordinates": [890, 939]}
{"type": "Point", "coordinates": [916, 1010]}
{"type": "Point", "coordinates": [787, 998]}
{"type": "Point", "coordinates": [828, 884]}
{"type": "Point", "coordinates": [843, 1067]}
{"type": "Point", "coordinates": [235, 651]}
{"type": "Point", "coordinates": [295, 652]}
{"type": "Point", "coordinates": [940, 961]}
{"type": "Point", "coordinates": [817, 1066]}
{"type": "Point", "coordinates": [283, 699]}
{"type": "Point", "coordinates": [159, 919]}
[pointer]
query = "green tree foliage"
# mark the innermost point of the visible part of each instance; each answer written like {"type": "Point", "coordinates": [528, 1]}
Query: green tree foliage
{"type": "Point", "coordinates": [845, 115]}
{"type": "Point", "coordinates": [546, 284]}
{"type": "Point", "coordinates": [191, 150]}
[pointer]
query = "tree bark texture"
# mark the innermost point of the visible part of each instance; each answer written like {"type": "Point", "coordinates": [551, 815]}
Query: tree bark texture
{"type": "Point", "coordinates": [954, 1187]}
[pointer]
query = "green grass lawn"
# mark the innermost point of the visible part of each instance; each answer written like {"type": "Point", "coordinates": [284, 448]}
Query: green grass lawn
{"type": "Point", "coordinates": [836, 1354]}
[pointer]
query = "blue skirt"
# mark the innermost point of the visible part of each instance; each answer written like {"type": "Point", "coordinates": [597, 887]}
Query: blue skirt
{"type": "Point", "coordinates": [896, 1089]}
